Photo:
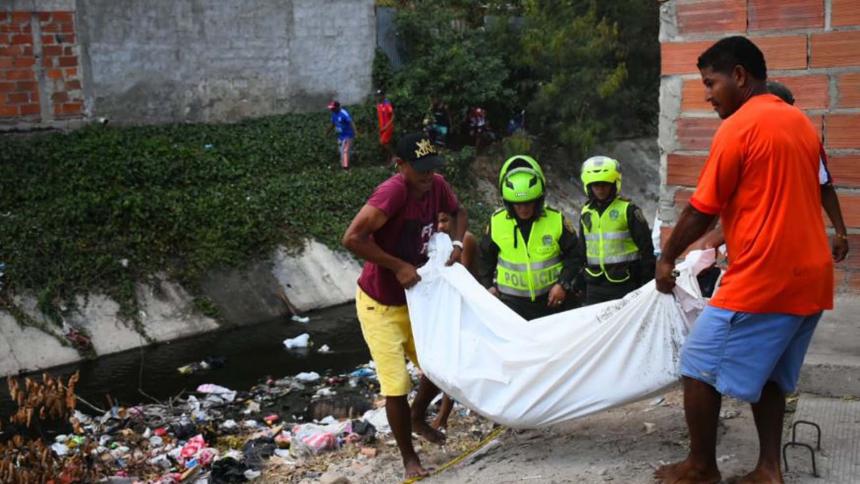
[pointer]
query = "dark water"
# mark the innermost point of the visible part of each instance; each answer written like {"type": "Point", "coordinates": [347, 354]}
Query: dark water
{"type": "Point", "coordinates": [251, 352]}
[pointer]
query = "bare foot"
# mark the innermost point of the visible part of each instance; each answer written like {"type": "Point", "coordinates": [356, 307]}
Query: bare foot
{"type": "Point", "coordinates": [439, 424]}
{"type": "Point", "coordinates": [685, 473]}
{"type": "Point", "coordinates": [761, 476]}
{"type": "Point", "coordinates": [430, 434]}
{"type": "Point", "coordinates": [414, 469]}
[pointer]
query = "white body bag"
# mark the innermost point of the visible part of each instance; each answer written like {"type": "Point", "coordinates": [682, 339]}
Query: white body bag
{"type": "Point", "coordinates": [526, 374]}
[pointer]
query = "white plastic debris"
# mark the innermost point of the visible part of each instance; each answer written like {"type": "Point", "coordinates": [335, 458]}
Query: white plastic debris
{"type": "Point", "coordinates": [301, 319]}
{"type": "Point", "coordinates": [325, 392]}
{"type": "Point", "coordinates": [379, 419]}
{"type": "Point", "coordinates": [211, 388]}
{"type": "Point", "coordinates": [308, 376]}
{"type": "Point", "coordinates": [300, 341]}
{"type": "Point", "coordinates": [324, 349]}
{"type": "Point", "coordinates": [60, 449]}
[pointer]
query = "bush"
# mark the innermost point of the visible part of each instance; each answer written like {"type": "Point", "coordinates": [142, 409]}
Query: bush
{"type": "Point", "coordinates": [99, 209]}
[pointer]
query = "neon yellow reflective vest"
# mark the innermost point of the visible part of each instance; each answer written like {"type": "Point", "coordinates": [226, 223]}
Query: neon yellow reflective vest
{"type": "Point", "coordinates": [527, 269]}
{"type": "Point", "coordinates": [608, 241]}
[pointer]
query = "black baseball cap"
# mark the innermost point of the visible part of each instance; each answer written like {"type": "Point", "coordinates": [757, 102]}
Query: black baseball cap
{"type": "Point", "coordinates": [419, 151]}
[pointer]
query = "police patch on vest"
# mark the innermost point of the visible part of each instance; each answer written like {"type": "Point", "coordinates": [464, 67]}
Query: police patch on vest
{"type": "Point", "coordinates": [547, 240]}
{"type": "Point", "coordinates": [613, 214]}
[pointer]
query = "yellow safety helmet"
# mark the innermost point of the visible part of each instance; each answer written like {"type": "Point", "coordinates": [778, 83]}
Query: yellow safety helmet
{"type": "Point", "coordinates": [601, 169]}
{"type": "Point", "coordinates": [520, 161]}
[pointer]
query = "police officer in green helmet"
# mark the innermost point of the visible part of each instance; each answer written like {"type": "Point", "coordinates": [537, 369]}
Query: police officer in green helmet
{"type": "Point", "coordinates": [527, 254]}
{"type": "Point", "coordinates": [615, 241]}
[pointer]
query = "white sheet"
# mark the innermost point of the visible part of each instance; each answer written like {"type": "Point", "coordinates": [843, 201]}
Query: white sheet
{"type": "Point", "coordinates": [568, 365]}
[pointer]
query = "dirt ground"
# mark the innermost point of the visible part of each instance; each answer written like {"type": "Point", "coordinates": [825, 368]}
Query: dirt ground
{"type": "Point", "coordinates": [624, 445]}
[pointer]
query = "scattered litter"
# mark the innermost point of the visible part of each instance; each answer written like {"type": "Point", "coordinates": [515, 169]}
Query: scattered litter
{"type": "Point", "coordinates": [208, 363]}
{"type": "Point", "coordinates": [300, 319]}
{"type": "Point", "coordinates": [308, 376]}
{"type": "Point", "coordinates": [324, 349]}
{"type": "Point", "coordinates": [363, 372]}
{"type": "Point", "coordinates": [300, 341]}
{"type": "Point", "coordinates": [325, 392]}
{"type": "Point", "coordinates": [211, 388]}
{"type": "Point", "coordinates": [650, 427]}
{"type": "Point", "coordinates": [251, 407]}
{"type": "Point", "coordinates": [378, 419]}
{"type": "Point", "coordinates": [729, 414]}
{"type": "Point", "coordinates": [60, 449]}
{"type": "Point", "coordinates": [725, 458]}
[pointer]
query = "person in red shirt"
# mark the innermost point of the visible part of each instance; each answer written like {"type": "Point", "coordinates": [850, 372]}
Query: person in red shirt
{"type": "Point", "coordinates": [760, 178]}
{"type": "Point", "coordinates": [385, 116]}
{"type": "Point", "coordinates": [391, 233]}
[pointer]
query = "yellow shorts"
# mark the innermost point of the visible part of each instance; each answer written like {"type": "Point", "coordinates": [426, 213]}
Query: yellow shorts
{"type": "Point", "coordinates": [388, 334]}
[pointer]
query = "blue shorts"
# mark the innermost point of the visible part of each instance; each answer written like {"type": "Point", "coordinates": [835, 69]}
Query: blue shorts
{"type": "Point", "coordinates": [738, 353]}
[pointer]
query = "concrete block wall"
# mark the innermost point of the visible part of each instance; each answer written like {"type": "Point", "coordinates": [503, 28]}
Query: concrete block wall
{"type": "Point", "coordinates": [63, 62]}
{"type": "Point", "coordinates": [812, 46]}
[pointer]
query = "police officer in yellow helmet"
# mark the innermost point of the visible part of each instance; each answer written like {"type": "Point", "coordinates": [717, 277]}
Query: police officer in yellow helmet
{"type": "Point", "coordinates": [527, 254]}
{"type": "Point", "coordinates": [615, 241]}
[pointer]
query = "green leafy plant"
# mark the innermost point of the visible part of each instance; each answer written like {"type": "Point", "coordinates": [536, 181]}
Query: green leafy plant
{"type": "Point", "coordinates": [101, 208]}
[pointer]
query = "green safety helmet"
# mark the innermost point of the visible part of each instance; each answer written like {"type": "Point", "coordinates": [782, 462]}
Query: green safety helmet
{"type": "Point", "coordinates": [522, 185]}
{"type": "Point", "coordinates": [601, 169]}
{"type": "Point", "coordinates": [520, 161]}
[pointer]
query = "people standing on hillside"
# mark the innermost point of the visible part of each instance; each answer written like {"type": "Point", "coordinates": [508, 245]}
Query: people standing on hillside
{"type": "Point", "coordinates": [385, 117]}
{"type": "Point", "coordinates": [391, 233]}
{"type": "Point", "coordinates": [439, 122]}
{"type": "Point", "coordinates": [479, 127]}
{"type": "Point", "coordinates": [342, 123]}
{"type": "Point", "coordinates": [614, 237]}
{"type": "Point", "coordinates": [527, 256]}
{"type": "Point", "coordinates": [761, 179]}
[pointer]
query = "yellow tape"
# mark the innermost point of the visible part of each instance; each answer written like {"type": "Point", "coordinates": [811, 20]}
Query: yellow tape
{"type": "Point", "coordinates": [456, 460]}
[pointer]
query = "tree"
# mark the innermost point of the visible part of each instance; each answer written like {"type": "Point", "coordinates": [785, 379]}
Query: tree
{"type": "Point", "coordinates": [577, 57]}
{"type": "Point", "coordinates": [449, 56]}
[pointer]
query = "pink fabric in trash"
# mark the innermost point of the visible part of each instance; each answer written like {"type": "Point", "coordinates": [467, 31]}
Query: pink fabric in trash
{"type": "Point", "coordinates": [320, 442]}
{"type": "Point", "coordinates": [192, 447]}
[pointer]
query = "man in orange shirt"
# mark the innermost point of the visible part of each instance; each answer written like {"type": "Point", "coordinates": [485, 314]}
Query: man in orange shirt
{"type": "Point", "coordinates": [761, 176]}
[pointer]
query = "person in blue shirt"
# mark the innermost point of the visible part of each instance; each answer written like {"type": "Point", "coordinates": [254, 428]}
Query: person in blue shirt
{"type": "Point", "coordinates": [342, 123]}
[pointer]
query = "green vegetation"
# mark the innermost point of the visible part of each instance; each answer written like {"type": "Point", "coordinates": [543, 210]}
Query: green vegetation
{"type": "Point", "coordinates": [585, 71]}
{"type": "Point", "coordinates": [99, 209]}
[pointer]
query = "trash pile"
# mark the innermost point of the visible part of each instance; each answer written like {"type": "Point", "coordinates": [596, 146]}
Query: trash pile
{"type": "Point", "coordinates": [219, 435]}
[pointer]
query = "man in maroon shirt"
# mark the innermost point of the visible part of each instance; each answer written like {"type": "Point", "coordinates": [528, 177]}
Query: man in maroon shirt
{"type": "Point", "coordinates": [390, 233]}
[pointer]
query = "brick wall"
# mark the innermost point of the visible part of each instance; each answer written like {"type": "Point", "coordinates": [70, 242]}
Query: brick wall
{"type": "Point", "coordinates": [812, 46]}
{"type": "Point", "coordinates": [40, 78]}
